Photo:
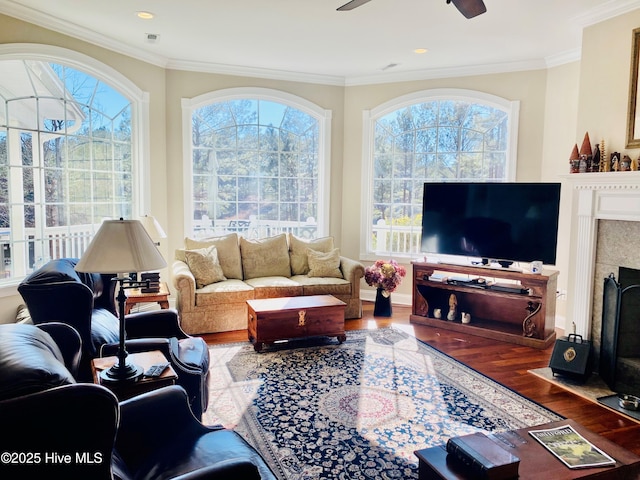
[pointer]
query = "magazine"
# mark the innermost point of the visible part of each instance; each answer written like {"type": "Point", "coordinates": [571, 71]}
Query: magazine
{"type": "Point", "coordinates": [572, 448]}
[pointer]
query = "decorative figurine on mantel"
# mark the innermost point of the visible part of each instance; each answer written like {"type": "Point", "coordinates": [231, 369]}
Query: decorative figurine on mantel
{"type": "Point", "coordinates": [615, 161]}
{"type": "Point", "coordinates": [604, 167]}
{"type": "Point", "coordinates": [625, 164]}
{"type": "Point", "coordinates": [586, 154]}
{"type": "Point", "coordinates": [574, 160]}
{"type": "Point", "coordinates": [595, 161]}
{"type": "Point", "coordinates": [634, 164]}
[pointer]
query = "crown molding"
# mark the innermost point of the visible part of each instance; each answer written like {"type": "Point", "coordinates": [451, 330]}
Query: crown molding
{"type": "Point", "coordinates": [256, 72]}
{"type": "Point", "coordinates": [447, 72]}
{"type": "Point", "coordinates": [598, 14]}
{"type": "Point", "coordinates": [562, 58]}
{"type": "Point", "coordinates": [603, 12]}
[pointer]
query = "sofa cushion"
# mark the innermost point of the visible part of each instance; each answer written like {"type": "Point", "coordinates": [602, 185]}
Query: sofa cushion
{"type": "Point", "coordinates": [30, 362]}
{"type": "Point", "coordinates": [228, 252]}
{"type": "Point", "coordinates": [204, 265]}
{"type": "Point", "coordinates": [227, 291]}
{"type": "Point", "coordinates": [298, 252]}
{"type": "Point", "coordinates": [265, 257]}
{"type": "Point", "coordinates": [271, 287]}
{"type": "Point", "coordinates": [323, 285]}
{"type": "Point", "coordinates": [324, 264]}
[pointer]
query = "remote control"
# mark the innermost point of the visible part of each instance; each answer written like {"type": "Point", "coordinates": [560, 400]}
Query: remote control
{"type": "Point", "coordinates": [156, 370]}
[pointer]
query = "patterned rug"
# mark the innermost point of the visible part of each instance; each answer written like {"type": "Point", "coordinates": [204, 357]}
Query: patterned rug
{"type": "Point", "coordinates": [315, 409]}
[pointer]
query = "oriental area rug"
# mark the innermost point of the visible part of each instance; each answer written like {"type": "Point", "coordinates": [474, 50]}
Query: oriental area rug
{"type": "Point", "coordinates": [316, 409]}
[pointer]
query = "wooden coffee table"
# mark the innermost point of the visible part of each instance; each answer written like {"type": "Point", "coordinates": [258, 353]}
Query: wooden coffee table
{"type": "Point", "coordinates": [535, 461]}
{"type": "Point", "coordinates": [285, 318]}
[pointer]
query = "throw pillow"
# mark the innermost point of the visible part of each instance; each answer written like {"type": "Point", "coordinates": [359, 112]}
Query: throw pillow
{"type": "Point", "coordinates": [228, 252]}
{"type": "Point", "coordinates": [205, 266]}
{"type": "Point", "coordinates": [266, 257]}
{"type": "Point", "coordinates": [298, 250]}
{"type": "Point", "coordinates": [323, 264]}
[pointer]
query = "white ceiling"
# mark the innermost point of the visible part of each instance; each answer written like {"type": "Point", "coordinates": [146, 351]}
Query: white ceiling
{"type": "Point", "coordinates": [308, 40]}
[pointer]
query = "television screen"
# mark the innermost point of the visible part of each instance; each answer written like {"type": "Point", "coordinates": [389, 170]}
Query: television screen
{"type": "Point", "coordinates": [505, 222]}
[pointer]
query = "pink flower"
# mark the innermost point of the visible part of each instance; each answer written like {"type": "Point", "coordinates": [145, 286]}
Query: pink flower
{"type": "Point", "coordinates": [387, 275]}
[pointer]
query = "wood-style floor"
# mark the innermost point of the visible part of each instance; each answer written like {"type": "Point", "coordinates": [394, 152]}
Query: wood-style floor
{"type": "Point", "coordinates": [505, 363]}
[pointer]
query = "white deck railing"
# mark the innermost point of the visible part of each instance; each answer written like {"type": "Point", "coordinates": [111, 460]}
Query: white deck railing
{"type": "Point", "coordinates": [398, 239]}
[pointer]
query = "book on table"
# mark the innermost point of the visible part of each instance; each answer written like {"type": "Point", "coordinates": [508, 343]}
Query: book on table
{"type": "Point", "coordinates": [483, 457]}
{"type": "Point", "coordinates": [571, 448]}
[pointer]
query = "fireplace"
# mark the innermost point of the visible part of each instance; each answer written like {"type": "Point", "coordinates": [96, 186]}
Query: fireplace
{"type": "Point", "coordinates": [619, 362]}
{"type": "Point", "coordinates": [605, 238]}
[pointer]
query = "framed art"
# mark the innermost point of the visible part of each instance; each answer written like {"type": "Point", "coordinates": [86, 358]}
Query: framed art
{"type": "Point", "coordinates": [633, 119]}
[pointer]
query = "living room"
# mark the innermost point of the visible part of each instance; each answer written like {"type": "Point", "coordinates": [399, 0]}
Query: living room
{"type": "Point", "coordinates": [558, 105]}
{"type": "Point", "coordinates": [559, 102]}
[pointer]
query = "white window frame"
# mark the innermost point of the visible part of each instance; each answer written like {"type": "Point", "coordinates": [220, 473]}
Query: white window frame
{"type": "Point", "coordinates": [140, 129]}
{"type": "Point", "coordinates": [369, 118]}
{"type": "Point", "coordinates": [190, 105]}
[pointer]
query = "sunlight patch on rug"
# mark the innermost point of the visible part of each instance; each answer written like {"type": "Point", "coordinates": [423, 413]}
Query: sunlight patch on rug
{"type": "Point", "coordinates": [319, 410]}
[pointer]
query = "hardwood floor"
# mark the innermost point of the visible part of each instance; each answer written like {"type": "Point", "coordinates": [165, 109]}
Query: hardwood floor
{"type": "Point", "coordinates": [505, 363]}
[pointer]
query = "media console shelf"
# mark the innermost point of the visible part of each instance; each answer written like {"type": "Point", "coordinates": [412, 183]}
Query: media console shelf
{"type": "Point", "coordinates": [524, 314]}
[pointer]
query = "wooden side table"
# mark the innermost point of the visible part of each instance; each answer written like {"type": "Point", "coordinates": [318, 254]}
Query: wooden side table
{"type": "Point", "coordinates": [126, 390]}
{"type": "Point", "coordinates": [135, 296]}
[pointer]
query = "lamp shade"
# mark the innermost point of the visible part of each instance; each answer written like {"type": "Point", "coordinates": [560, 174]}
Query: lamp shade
{"type": "Point", "coordinates": [121, 246]}
{"type": "Point", "coordinates": [153, 228]}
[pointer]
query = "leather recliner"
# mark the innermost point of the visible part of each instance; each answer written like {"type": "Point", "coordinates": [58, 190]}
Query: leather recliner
{"type": "Point", "coordinates": [56, 428]}
{"type": "Point", "coordinates": [58, 293]}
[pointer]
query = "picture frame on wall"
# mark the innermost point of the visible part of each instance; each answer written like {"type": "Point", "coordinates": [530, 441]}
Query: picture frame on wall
{"type": "Point", "coordinates": [633, 119]}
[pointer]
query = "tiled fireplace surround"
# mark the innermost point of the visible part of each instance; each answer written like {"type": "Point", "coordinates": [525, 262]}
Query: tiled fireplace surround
{"type": "Point", "coordinates": [605, 236]}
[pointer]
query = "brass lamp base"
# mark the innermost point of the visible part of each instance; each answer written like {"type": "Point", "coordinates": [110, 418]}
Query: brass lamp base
{"type": "Point", "coordinates": [117, 373]}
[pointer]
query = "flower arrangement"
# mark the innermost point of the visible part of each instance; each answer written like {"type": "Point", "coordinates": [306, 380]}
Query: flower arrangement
{"type": "Point", "coordinates": [385, 275]}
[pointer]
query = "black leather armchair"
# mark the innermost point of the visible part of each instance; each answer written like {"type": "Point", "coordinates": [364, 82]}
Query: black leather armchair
{"type": "Point", "coordinates": [56, 428]}
{"type": "Point", "coordinates": [58, 293]}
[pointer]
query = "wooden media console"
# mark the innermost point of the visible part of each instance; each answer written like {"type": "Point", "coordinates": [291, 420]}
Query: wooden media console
{"type": "Point", "coordinates": [503, 303]}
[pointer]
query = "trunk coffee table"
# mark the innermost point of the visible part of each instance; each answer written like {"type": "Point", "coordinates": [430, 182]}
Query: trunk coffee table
{"type": "Point", "coordinates": [285, 318]}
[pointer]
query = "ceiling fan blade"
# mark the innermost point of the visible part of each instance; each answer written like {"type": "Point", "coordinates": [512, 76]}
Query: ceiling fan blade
{"type": "Point", "coordinates": [469, 8]}
{"type": "Point", "coordinates": [352, 4]}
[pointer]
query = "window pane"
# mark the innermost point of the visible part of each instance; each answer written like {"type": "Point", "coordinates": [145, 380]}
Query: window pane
{"type": "Point", "coordinates": [264, 161]}
{"type": "Point", "coordinates": [74, 134]}
{"type": "Point", "coordinates": [434, 140]}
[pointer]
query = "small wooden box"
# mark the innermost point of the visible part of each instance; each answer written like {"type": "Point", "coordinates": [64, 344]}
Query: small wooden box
{"type": "Point", "coordinates": [274, 319]}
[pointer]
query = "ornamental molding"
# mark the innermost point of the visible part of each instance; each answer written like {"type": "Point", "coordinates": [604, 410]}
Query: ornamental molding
{"type": "Point", "coordinates": [621, 181]}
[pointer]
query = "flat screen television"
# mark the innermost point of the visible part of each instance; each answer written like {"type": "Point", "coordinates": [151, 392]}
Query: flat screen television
{"type": "Point", "coordinates": [492, 222]}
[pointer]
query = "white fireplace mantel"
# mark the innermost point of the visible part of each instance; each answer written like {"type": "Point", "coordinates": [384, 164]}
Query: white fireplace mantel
{"type": "Point", "coordinates": [610, 196]}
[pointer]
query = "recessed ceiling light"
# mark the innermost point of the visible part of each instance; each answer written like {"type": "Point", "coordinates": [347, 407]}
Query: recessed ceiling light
{"type": "Point", "coordinates": [420, 50]}
{"type": "Point", "coordinates": [145, 15]}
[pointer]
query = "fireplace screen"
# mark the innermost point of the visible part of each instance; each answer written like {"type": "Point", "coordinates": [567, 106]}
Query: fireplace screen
{"type": "Point", "coordinates": [620, 342]}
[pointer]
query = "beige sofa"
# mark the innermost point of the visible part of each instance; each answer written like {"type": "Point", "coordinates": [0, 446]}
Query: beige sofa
{"type": "Point", "coordinates": [213, 278]}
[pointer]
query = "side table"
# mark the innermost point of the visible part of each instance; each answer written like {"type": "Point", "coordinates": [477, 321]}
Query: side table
{"type": "Point", "coordinates": [126, 390]}
{"type": "Point", "coordinates": [135, 296]}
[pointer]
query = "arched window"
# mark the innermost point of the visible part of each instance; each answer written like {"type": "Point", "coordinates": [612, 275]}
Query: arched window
{"type": "Point", "coordinates": [434, 135]}
{"type": "Point", "coordinates": [67, 156]}
{"type": "Point", "coordinates": [258, 164]}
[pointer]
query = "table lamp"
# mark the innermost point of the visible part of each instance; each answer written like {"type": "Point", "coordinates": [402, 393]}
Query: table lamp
{"type": "Point", "coordinates": [121, 246]}
{"type": "Point", "coordinates": [153, 228]}
{"type": "Point", "coordinates": [155, 231]}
